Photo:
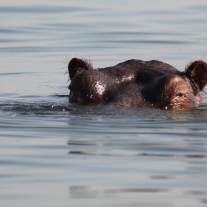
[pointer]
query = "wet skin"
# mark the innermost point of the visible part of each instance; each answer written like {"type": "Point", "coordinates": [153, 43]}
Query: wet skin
{"type": "Point", "coordinates": [137, 83]}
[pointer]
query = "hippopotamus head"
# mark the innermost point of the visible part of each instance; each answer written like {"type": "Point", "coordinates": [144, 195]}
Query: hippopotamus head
{"type": "Point", "coordinates": [178, 91]}
{"type": "Point", "coordinates": [138, 83]}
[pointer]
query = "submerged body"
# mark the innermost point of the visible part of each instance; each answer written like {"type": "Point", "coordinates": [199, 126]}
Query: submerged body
{"type": "Point", "coordinates": [137, 83]}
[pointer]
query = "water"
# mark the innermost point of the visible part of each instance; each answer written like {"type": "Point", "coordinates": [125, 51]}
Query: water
{"type": "Point", "coordinates": [55, 154]}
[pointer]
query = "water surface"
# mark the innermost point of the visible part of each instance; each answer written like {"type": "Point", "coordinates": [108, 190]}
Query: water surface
{"type": "Point", "coordinates": [55, 154]}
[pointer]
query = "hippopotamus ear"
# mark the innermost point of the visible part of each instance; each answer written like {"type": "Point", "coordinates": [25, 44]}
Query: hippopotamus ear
{"type": "Point", "coordinates": [77, 64]}
{"type": "Point", "coordinates": [196, 72]}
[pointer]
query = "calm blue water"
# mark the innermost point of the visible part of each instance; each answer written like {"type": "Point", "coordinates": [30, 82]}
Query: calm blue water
{"type": "Point", "coordinates": [53, 154]}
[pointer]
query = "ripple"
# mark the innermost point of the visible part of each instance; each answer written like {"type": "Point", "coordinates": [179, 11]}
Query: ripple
{"type": "Point", "coordinates": [90, 192]}
{"type": "Point", "coordinates": [39, 9]}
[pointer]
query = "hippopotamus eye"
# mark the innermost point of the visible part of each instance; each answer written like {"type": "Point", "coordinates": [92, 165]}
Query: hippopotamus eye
{"type": "Point", "coordinates": [181, 95]}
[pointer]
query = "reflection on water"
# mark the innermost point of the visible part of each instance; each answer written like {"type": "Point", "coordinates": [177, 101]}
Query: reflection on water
{"type": "Point", "coordinates": [55, 154]}
{"type": "Point", "coordinates": [88, 192]}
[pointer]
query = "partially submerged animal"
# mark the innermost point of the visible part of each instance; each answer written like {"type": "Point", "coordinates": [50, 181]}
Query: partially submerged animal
{"type": "Point", "coordinates": [137, 83]}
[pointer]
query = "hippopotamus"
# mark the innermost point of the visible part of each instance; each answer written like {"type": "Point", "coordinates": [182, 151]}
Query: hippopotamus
{"type": "Point", "coordinates": [137, 83]}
